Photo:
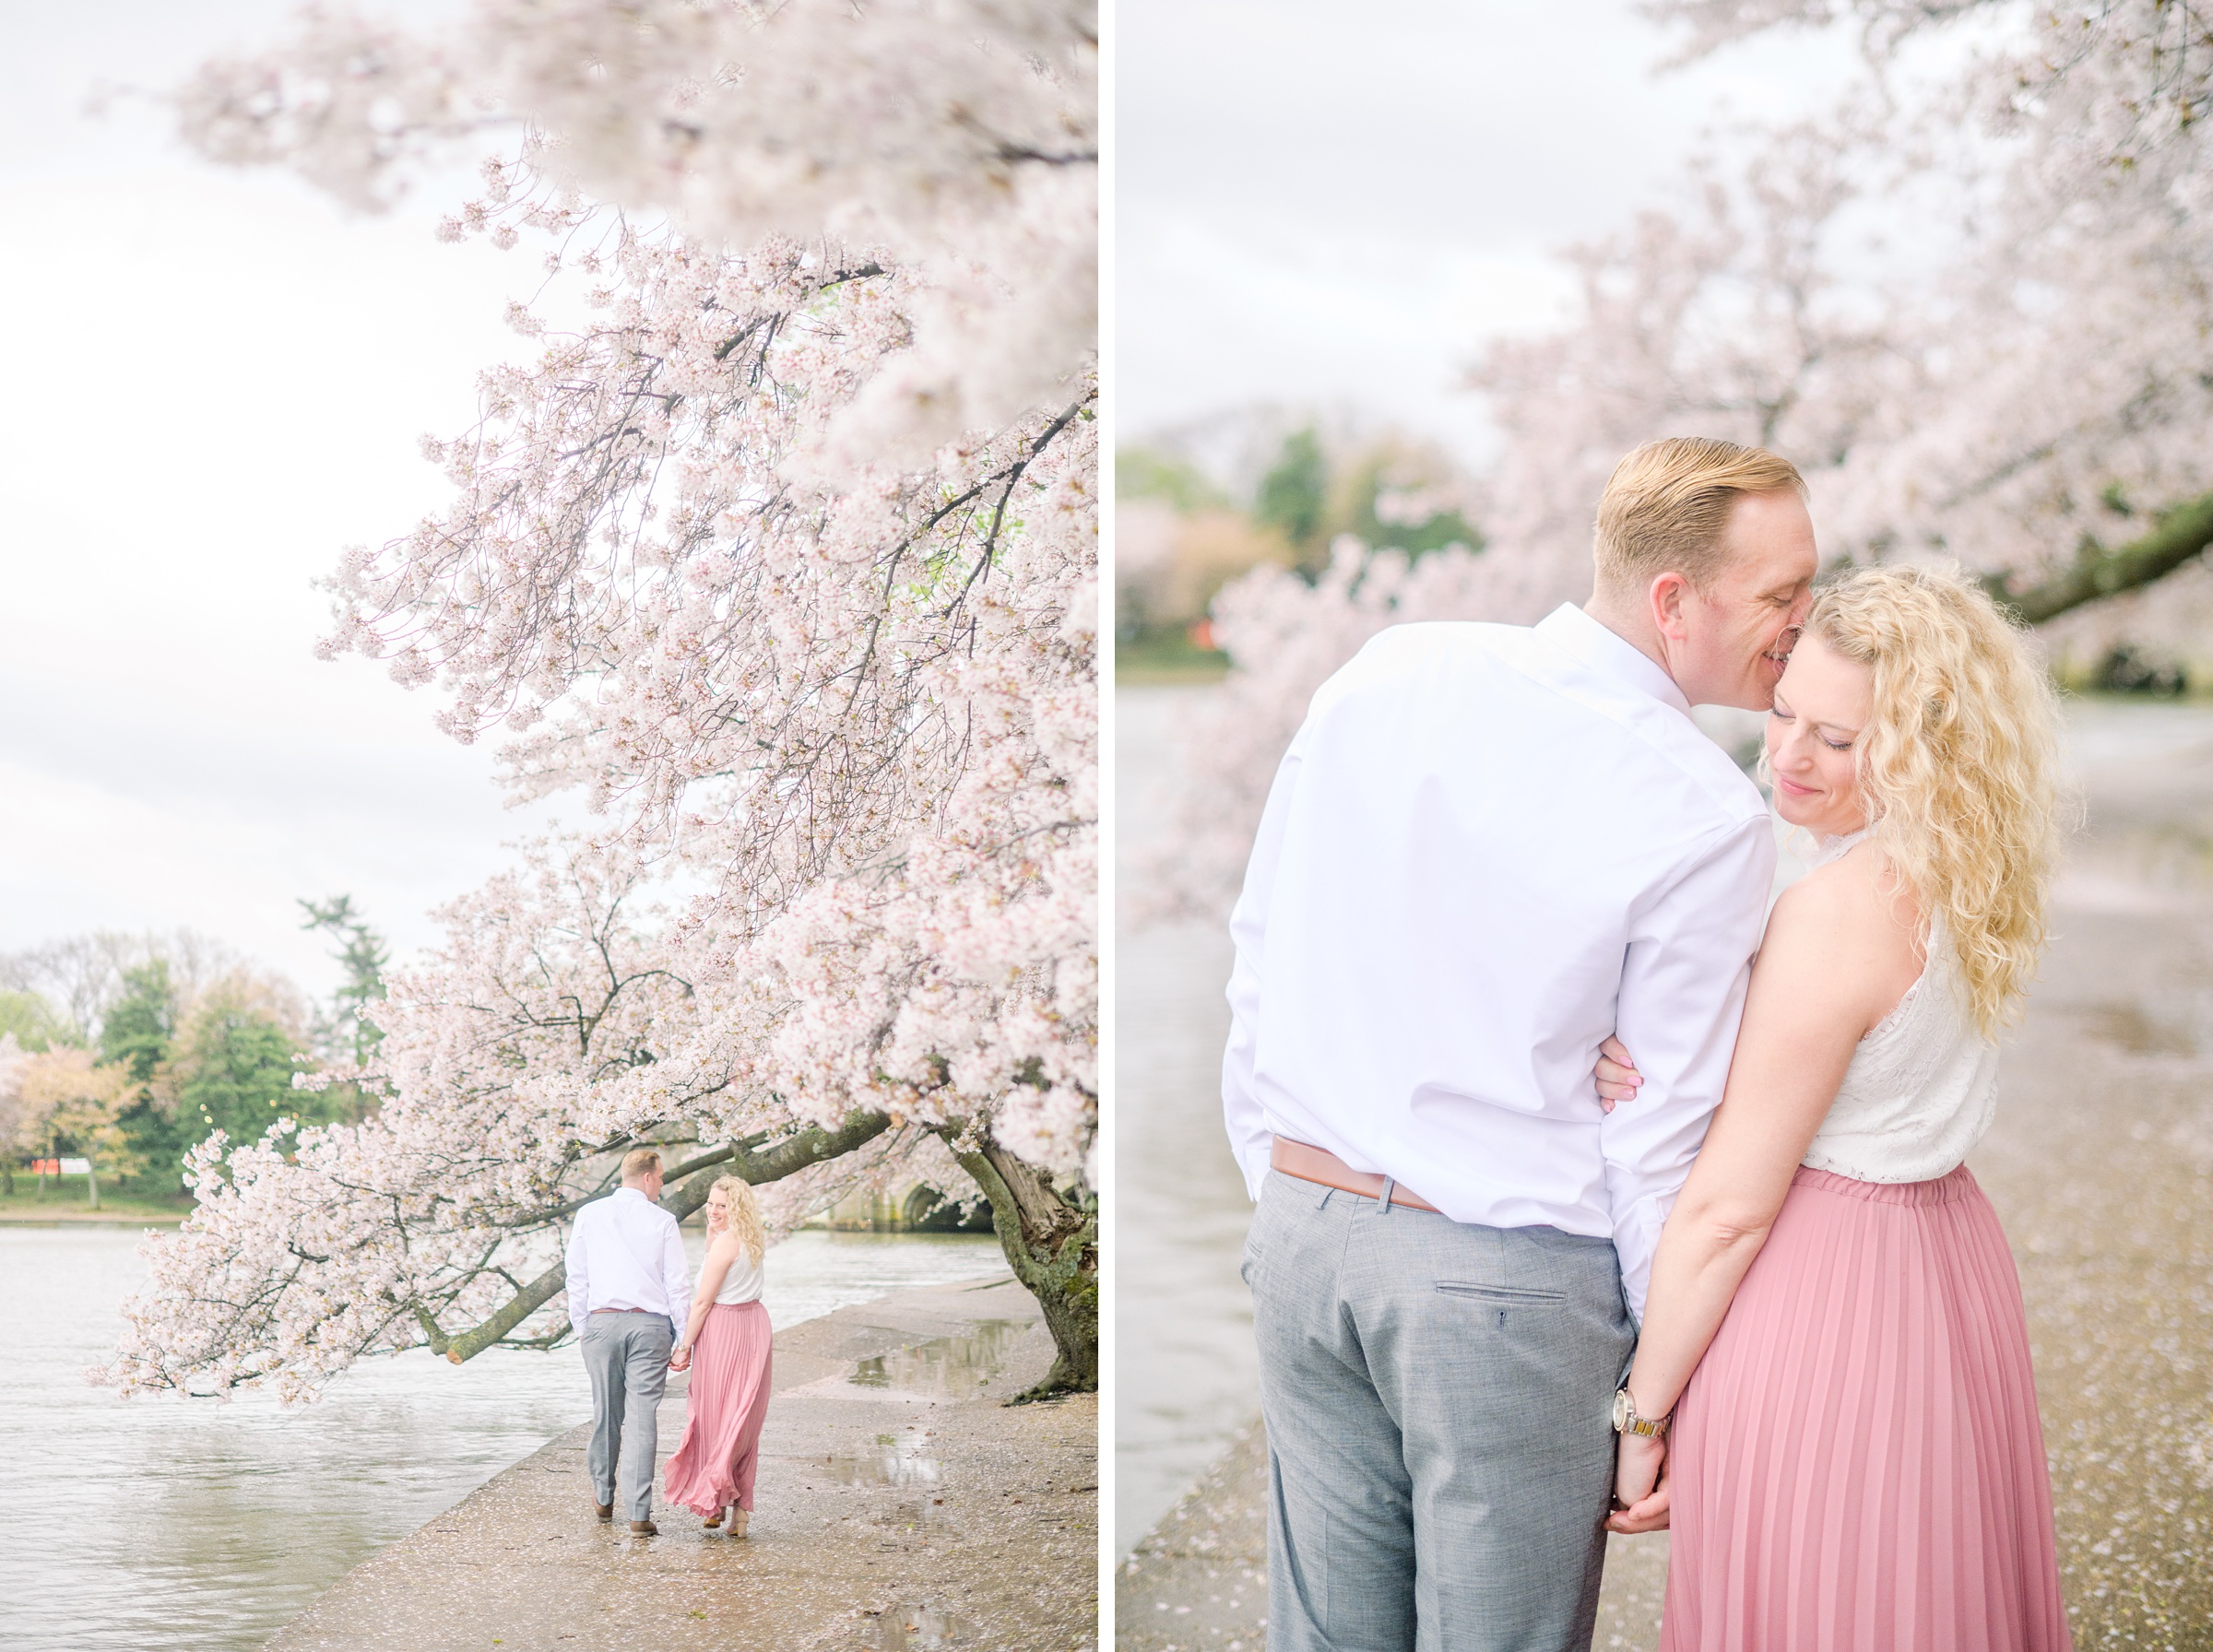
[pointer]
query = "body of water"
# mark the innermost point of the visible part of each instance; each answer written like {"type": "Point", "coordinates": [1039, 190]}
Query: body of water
{"type": "Point", "coordinates": [161, 1523]}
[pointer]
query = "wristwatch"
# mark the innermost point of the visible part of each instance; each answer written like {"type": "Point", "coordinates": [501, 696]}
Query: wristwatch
{"type": "Point", "coordinates": [1627, 1420]}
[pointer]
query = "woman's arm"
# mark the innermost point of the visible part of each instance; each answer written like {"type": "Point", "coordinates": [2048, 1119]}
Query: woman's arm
{"type": "Point", "coordinates": [1835, 961]}
{"type": "Point", "coordinates": [715, 1268]}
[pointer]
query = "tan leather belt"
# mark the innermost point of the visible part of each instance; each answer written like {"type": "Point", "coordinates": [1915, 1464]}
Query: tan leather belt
{"type": "Point", "coordinates": [1318, 1164]}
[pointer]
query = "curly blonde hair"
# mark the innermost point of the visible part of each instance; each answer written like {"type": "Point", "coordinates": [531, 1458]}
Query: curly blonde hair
{"type": "Point", "coordinates": [745, 1216]}
{"type": "Point", "coordinates": [1957, 765]}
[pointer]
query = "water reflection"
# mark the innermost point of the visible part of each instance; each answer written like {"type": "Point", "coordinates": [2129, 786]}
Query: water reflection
{"type": "Point", "coordinates": [918, 1627]}
{"type": "Point", "coordinates": [944, 1367]}
{"type": "Point", "coordinates": [196, 1524]}
{"type": "Point", "coordinates": [896, 1462]}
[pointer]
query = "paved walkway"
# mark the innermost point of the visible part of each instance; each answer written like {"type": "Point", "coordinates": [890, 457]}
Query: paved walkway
{"type": "Point", "coordinates": [899, 1504]}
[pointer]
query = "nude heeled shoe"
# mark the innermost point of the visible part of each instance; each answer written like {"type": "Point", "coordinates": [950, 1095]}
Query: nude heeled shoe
{"type": "Point", "coordinates": [738, 1520]}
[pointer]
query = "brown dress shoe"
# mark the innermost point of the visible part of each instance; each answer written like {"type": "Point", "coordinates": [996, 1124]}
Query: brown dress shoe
{"type": "Point", "coordinates": [606, 1511]}
{"type": "Point", "coordinates": [645, 1528]}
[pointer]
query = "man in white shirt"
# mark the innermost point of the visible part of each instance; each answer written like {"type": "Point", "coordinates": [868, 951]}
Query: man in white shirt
{"type": "Point", "coordinates": [630, 1293]}
{"type": "Point", "coordinates": [1489, 847]}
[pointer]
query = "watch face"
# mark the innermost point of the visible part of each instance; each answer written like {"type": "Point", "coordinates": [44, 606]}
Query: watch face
{"type": "Point", "coordinates": [1621, 1409]}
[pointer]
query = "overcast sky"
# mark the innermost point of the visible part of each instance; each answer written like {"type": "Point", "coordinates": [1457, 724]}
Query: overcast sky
{"type": "Point", "coordinates": [214, 381]}
{"type": "Point", "coordinates": [1332, 206]}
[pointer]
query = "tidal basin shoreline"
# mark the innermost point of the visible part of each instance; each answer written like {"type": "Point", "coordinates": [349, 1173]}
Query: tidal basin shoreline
{"type": "Point", "coordinates": [899, 1503]}
{"type": "Point", "coordinates": [205, 1526]}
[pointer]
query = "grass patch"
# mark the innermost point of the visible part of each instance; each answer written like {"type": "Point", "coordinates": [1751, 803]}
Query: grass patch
{"type": "Point", "coordinates": [67, 1201]}
{"type": "Point", "coordinates": [1167, 656]}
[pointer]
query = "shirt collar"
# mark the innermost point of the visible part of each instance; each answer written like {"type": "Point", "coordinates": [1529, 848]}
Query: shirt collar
{"type": "Point", "coordinates": [636, 1193]}
{"type": "Point", "coordinates": [1573, 631]}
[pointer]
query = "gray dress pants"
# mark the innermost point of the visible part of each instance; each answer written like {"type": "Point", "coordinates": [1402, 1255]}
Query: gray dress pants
{"type": "Point", "coordinates": [1439, 1401]}
{"type": "Point", "coordinates": [626, 1354]}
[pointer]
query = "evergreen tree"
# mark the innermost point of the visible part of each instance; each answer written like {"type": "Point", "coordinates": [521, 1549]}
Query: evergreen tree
{"type": "Point", "coordinates": [362, 954]}
{"type": "Point", "coordinates": [138, 1034]}
{"type": "Point", "coordinates": [1296, 493]}
{"type": "Point", "coordinates": [235, 1073]}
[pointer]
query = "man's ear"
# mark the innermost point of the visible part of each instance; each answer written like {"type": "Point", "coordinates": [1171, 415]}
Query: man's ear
{"type": "Point", "coordinates": [1666, 595]}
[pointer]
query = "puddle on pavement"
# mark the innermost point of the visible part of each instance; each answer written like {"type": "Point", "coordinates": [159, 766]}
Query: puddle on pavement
{"type": "Point", "coordinates": [952, 1366]}
{"type": "Point", "coordinates": [918, 1627]}
{"type": "Point", "coordinates": [895, 1463]}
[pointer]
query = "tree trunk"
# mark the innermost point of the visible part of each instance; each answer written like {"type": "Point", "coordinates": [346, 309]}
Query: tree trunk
{"type": "Point", "coordinates": [92, 1183]}
{"type": "Point", "coordinates": [1052, 1243]}
{"type": "Point", "coordinates": [2178, 535]}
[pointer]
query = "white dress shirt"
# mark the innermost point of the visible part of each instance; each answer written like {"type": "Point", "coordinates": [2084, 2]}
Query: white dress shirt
{"type": "Point", "coordinates": [625, 1252]}
{"type": "Point", "coordinates": [1489, 847]}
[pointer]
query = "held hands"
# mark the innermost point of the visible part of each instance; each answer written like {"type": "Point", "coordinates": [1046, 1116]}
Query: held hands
{"type": "Point", "coordinates": [680, 1357]}
{"type": "Point", "coordinates": [1640, 1485]}
{"type": "Point", "coordinates": [1615, 1075]}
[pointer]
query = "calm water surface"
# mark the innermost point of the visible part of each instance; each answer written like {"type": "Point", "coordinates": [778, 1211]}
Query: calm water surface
{"type": "Point", "coordinates": [174, 1524]}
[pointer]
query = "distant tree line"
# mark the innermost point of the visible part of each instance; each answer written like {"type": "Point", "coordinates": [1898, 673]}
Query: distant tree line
{"type": "Point", "coordinates": [1184, 533]}
{"type": "Point", "coordinates": [130, 1050]}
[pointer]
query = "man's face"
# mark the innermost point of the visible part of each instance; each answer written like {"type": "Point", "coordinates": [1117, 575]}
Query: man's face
{"type": "Point", "coordinates": [1728, 644]}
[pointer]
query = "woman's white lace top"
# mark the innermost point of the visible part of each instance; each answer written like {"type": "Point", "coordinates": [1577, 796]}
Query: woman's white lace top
{"type": "Point", "coordinates": [1921, 1087]}
{"type": "Point", "coordinates": [742, 1284]}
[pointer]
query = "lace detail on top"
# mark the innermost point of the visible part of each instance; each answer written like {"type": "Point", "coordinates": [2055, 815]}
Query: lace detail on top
{"type": "Point", "coordinates": [1921, 1087]}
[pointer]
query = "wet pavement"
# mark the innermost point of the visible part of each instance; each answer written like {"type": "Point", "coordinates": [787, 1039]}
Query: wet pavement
{"type": "Point", "coordinates": [2100, 1166]}
{"type": "Point", "coordinates": [899, 1503]}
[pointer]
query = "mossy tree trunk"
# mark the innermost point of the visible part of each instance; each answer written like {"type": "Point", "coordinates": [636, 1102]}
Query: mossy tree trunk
{"type": "Point", "coordinates": [2177, 534]}
{"type": "Point", "coordinates": [1051, 1240]}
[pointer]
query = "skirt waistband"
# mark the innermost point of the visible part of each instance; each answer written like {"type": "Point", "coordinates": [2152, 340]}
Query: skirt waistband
{"type": "Point", "coordinates": [1956, 1184]}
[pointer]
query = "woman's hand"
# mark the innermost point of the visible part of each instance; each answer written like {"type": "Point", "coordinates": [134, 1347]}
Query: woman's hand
{"type": "Point", "coordinates": [1640, 1485]}
{"type": "Point", "coordinates": [1616, 1075]}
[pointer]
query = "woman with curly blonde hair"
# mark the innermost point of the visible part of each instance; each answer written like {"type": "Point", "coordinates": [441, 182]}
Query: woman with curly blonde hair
{"type": "Point", "coordinates": [726, 1345]}
{"type": "Point", "coordinates": [1831, 1387]}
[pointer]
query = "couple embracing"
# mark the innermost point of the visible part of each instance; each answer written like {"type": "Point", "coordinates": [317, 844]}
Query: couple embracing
{"type": "Point", "coordinates": [1593, 1197]}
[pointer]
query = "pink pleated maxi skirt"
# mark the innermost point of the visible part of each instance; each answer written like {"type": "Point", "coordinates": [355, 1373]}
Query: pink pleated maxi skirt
{"type": "Point", "coordinates": [1858, 1465]}
{"type": "Point", "coordinates": [714, 1463]}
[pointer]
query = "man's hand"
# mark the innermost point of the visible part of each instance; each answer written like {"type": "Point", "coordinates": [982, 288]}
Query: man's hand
{"type": "Point", "coordinates": [1640, 1485]}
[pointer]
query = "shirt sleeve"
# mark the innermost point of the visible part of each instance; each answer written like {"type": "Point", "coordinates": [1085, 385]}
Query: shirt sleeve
{"type": "Point", "coordinates": [676, 1277]}
{"type": "Point", "coordinates": [579, 1281]}
{"type": "Point", "coordinates": [1250, 1137]}
{"type": "Point", "coordinates": [1682, 982]}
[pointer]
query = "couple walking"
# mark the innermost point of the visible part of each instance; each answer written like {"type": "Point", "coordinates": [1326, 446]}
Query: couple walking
{"type": "Point", "coordinates": [1492, 852]}
{"type": "Point", "coordinates": [639, 1316]}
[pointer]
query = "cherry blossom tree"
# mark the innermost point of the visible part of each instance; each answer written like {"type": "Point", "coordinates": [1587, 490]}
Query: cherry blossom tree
{"type": "Point", "coordinates": [1970, 302]}
{"type": "Point", "coordinates": [783, 556]}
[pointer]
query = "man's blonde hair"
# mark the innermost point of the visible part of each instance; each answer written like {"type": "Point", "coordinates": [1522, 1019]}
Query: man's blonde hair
{"type": "Point", "coordinates": [640, 1161]}
{"type": "Point", "coordinates": [1667, 503]}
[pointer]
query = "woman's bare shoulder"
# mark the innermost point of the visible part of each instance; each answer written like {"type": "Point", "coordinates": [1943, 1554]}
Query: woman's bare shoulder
{"type": "Point", "coordinates": [1859, 920]}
